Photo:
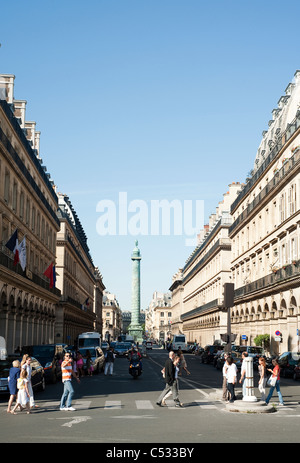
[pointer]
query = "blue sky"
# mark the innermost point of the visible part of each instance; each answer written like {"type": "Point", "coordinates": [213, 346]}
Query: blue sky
{"type": "Point", "coordinates": [161, 99]}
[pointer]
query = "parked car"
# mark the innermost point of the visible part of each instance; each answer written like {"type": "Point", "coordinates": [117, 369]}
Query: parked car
{"type": "Point", "coordinates": [253, 351]}
{"type": "Point", "coordinates": [237, 358]}
{"type": "Point", "coordinates": [97, 357]}
{"type": "Point", "coordinates": [209, 353]}
{"type": "Point", "coordinates": [287, 362]}
{"type": "Point", "coordinates": [296, 374]}
{"type": "Point", "coordinates": [50, 357]}
{"type": "Point", "coordinates": [121, 349]}
{"type": "Point", "coordinates": [37, 374]}
{"type": "Point", "coordinates": [148, 344]}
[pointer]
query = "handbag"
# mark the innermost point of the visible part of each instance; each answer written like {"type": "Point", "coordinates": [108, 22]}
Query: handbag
{"type": "Point", "coordinates": [272, 381]}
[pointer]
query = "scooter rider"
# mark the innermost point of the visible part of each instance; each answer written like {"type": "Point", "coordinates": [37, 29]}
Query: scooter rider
{"type": "Point", "coordinates": [135, 355]}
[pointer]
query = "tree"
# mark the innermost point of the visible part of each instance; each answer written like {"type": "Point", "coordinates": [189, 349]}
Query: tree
{"type": "Point", "coordinates": [262, 340]}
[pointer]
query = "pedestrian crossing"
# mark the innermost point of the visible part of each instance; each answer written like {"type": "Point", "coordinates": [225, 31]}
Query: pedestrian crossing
{"type": "Point", "coordinates": [109, 405]}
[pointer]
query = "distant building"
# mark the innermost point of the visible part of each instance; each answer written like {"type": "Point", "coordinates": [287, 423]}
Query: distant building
{"type": "Point", "coordinates": [112, 317]}
{"type": "Point", "coordinates": [126, 319]}
{"type": "Point", "coordinates": [158, 316]}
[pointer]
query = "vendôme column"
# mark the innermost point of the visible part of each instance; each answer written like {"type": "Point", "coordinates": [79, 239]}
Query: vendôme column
{"type": "Point", "coordinates": [135, 329]}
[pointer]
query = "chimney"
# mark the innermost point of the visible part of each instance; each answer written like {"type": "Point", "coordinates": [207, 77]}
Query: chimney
{"type": "Point", "coordinates": [7, 87]}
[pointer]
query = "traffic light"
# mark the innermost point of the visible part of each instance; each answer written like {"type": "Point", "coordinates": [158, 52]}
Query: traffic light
{"type": "Point", "coordinates": [228, 295]}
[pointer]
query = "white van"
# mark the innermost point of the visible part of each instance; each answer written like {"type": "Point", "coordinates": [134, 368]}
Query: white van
{"type": "Point", "coordinates": [179, 340]}
{"type": "Point", "coordinates": [89, 339]}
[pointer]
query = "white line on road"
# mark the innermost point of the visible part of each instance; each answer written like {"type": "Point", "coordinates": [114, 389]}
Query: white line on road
{"type": "Point", "coordinates": [113, 404]}
{"type": "Point", "coordinates": [144, 404]}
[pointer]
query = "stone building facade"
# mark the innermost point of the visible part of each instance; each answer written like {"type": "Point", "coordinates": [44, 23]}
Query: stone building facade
{"type": "Point", "coordinates": [79, 281]}
{"type": "Point", "coordinates": [198, 287]}
{"type": "Point", "coordinates": [158, 317]}
{"type": "Point", "coordinates": [112, 317]}
{"type": "Point", "coordinates": [31, 310]}
{"type": "Point", "coordinates": [257, 249]}
{"type": "Point", "coordinates": [265, 233]}
{"type": "Point", "coordinates": [28, 204]}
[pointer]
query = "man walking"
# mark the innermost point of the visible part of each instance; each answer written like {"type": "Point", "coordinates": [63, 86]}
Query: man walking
{"type": "Point", "coordinates": [67, 373]}
{"type": "Point", "coordinates": [170, 381]}
{"type": "Point", "coordinates": [109, 361]}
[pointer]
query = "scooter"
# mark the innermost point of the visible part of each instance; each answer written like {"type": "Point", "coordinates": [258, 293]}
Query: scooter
{"type": "Point", "coordinates": [135, 368]}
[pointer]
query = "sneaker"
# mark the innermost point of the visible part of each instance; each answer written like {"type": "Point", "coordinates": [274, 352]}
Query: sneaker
{"type": "Point", "coordinates": [159, 404]}
{"type": "Point", "coordinates": [179, 405]}
{"type": "Point", "coordinates": [63, 408]}
{"type": "Point", "coordinates": [71, 409]}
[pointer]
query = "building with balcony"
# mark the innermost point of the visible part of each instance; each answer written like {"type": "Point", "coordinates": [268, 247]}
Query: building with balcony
{"type": "Point", "coordinates": [78, 280]}
{"type": "Point", "coordinates": [265, 233]}
{"type": "Point", "coordinates": [197, 288]}
{"type": "Point", "coordinates": [28, 204]}
{"type": "Point", "coordinates": [33, 309]}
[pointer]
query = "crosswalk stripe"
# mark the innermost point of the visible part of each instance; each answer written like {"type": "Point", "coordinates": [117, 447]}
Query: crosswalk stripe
{"type": "Point", "coordinates": [112, 404]}
{"type": "Point", "coordinates": [144, 405]}
{"type": "Point", "coordinates": [82, 404]}
{"type": "Point", "coordinates": [78, 404]}
{"type": "Point", "coordinates": [117, 405]}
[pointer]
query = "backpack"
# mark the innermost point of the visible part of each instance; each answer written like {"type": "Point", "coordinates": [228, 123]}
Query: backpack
{"type": "Point", "coordinates": [20, 383]}
{"type": "Point", "coordinates": [109, 356]}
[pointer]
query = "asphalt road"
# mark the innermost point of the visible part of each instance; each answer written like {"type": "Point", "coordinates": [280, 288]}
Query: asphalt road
{"type": "Point", "coordinates": [120, 410]}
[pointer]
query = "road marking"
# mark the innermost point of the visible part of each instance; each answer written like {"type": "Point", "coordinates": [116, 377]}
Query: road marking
{"type": "Point", "coordinates": [82, 404]}
{"type": "Point", "coordinates": [144, 405]}
{"type": "Point", "coordinates": [78, 404]}
{"type": "Point", "coordinates": [136, 417]}
{"type": "Point", "coordinates": [112, 404]}
{"type": "Point", "coordinates": [75, 420]}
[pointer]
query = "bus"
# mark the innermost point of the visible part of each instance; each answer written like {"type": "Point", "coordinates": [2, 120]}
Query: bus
{"type": "Point", "coordinates": [179, 340]}
{"type": "Point", "coordinates": [89, 339]}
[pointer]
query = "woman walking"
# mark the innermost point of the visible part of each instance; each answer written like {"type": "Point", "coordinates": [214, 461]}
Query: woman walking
{"type": "Point", "coordinates": [275, 378]}
{"type": "Point", "coordinates": [14, 375]}
{"type": "Point", "coordinates": [182, 362]}
{"type": "Point", "coordinates": [262, 369]}
{"type": "Point", "coordinates": [27, 366]}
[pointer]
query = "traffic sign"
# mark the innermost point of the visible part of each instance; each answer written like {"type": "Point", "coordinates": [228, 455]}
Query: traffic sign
{"type": "Point", "coordinates": [277, 333]}
{"type": "Point", "coordinates": [244, 337]}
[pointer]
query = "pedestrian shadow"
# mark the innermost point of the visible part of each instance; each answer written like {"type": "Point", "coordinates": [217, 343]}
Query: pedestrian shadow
{"type": "Point", "coordinates": [198, 404]}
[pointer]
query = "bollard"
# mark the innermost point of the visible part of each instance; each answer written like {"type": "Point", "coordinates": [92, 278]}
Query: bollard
{"type": "Point", "coordinates": [250, 396]}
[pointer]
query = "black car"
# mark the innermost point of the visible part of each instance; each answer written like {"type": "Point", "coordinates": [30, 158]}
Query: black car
{"type": "Point", "coordinates": [121, 349]}
{"type": "Point", "coordinates": [50, 356]}
{"type": "Point", "coordinates": [209, 353]}
{"type": "Point", "coordinates": [37, 374]}
{"type": "Point", "coordinates": [237, 359]}
{"type": "Point", "coordinates": [287, 362]}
